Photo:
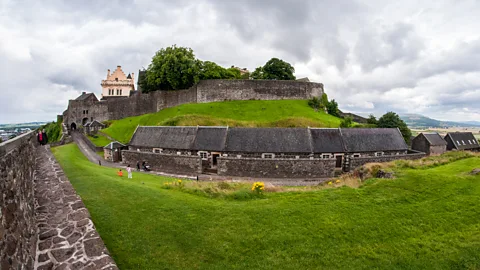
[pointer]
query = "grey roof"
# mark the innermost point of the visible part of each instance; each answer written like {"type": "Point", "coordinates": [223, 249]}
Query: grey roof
{"type": "Point", "coordinates": [463, 140]}
{"type": "Point", "coordinates": [87, 124]}
{"type": "Point", "coordinates": [164, 137]}
{"type": "Point", "coordinates": [268, 140]}
{"type": "Point", "coordinates": [327, 140]}
{"type": "Point", "coordinates": [84, 96]}
{"type": "Point", "coordinates": [434, 139]}
{"type": "Point", "coordinates": [303, 79]}
{"type": "Point", "coordinates": [96, 123]}
{"type": "Point", "coordinates": [114, 145]}
{"type": "Point", "coordinates": [372, 139]}
{"type": "Point", "coordinates": [210, 138]}
{"type": "Point", "coordinates": [129, 76]}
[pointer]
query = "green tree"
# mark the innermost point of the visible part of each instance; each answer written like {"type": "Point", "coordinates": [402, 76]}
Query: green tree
{"type": "Point", "coordinates": [372, 120]}
{"type": "Point", "coordinates": [234, 73]}
{"type": "Point", "coordinates": [172, 68]}
{"type": "Point", "coordinates": [210, 70]}
{"type": "Point", "coordinates": [392, 120]}
{"type": "Point", "coordinates": [257, 74]}
{"type": "Point", "coordinates": [315, 103]}
{"type": "Point", "coordinates": [332, 108]}
{"type": "Point", "coordinates": [346, 122]}
{"type": "Point", "coordinates": [324, 100]}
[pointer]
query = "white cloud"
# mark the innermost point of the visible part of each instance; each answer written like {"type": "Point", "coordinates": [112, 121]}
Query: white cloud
{"type": "Point", "coordinates": [372, 56]}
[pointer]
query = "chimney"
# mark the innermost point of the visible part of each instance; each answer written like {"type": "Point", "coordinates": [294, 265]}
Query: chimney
{"type": "Point", "coordinates": [133, 80]}
{"type": "Point", "coordinates": [108, 73]}
{"type": "Point", "coordinates": [84, 93]}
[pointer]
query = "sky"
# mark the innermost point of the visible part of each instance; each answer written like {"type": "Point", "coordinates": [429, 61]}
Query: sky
{"type": "Point", "coordinates": [373, 56]}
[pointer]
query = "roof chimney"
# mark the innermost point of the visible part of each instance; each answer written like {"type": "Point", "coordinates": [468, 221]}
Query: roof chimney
{"type": "Point", "coordinates": [84, 93]}
{"type": "Point", "coordinates": [108, 73]}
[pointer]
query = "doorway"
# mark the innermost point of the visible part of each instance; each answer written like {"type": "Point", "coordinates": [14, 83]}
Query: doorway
{"type": "Point", "coordinates": [73, 126]}
{"type": "Point", "coordinates": [214, 160]}
{"type": "Point", "coordinates": [338, 161]}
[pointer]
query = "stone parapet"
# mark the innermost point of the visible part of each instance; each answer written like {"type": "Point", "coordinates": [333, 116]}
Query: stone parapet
{"type": "Point", "coordinates": [190, 165]}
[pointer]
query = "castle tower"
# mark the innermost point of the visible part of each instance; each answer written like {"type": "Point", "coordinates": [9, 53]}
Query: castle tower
{"type": "Point", "coordinates": [117, 84]}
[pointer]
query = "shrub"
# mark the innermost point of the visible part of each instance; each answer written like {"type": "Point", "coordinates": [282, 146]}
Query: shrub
{"type": "Point", "coordinates": [258, 187]}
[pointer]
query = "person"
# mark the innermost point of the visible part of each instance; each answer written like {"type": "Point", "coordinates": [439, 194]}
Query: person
{"type": "Point", "coordinates": [99, 162]}
{"type": "Point", "coordinates": [40, 137]}
{"type": "Point", "coordinates": [129, 171]}
{"type": "Point", "coordinates": [120, 173]}
{"type": "Point", "coordinates": [138, 165]}
{"type": "Point", "coordinates": [145, 167]}
{"type": "Point", "coordinates": [44, 137]}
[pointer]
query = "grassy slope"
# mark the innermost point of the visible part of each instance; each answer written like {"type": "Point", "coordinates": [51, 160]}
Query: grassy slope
{"type": "Point", "coordinates": [99, 140]}
{"type": "Point", "coordinates": [253, 113]}
{"type": "Point", "coordinates": [424, 219]}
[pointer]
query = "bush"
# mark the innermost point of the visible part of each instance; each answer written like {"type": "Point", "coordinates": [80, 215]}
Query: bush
{"type": "Point", "coordinates": [346, 122]}
{"type": "Point", "coordinates": [315, 103]}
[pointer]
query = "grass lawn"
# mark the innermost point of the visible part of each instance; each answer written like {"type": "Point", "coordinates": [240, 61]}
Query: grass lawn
{"type": "Point", "coordinates": [426, 218]}
{"type": "Point", "coordinates": [99, 140]}
{"type": "Point", "coordinates": [250, 113]}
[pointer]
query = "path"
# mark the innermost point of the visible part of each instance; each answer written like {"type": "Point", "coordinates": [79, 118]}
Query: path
{"type": "Point", "coordinates": [67, 238]}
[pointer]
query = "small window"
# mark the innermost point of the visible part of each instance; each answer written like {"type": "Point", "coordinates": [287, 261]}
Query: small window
{"type": "Point", "coordinates": [203, 155]}
{"type": "Point", "coordinates": [459, 143]}
{"type": "Point", "coordinates": [326, 156]}
{"type": "Point", "coordinates": [469, 142]}
{"type": "Point", "coordinates": [297, 157]}
{"type": "Point", "coordinates": [268, 155]}
{"type": "Point", "coordinates": [463, 142]}
{"type": "Point", "coordinates": [379, 154]}
{"type": "Point", "coordinates": [120, 92]}
{"type": "Point", "coordinates": [356, 155]}
{"type": "Point", "coordinates": [239, 156]}
{"type": "Point", "coordinates": [157, 150]}
{"type": "Point", "coordinates": [116, 79]}
{"type": "Point", "coordinates": [179, 153]}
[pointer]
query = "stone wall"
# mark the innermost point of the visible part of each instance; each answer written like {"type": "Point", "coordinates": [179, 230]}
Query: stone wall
{"type": "Point", "coordinates": [164, 163]}
{"type": "Point", "coordinates": [357, 162]}
{"type": "Point", "coordinates": [204, 91]}
{"type": "Point", "coordinates": [276, 168]}
{"type": "Point", "coordinates": [437, 150]}
{"type": "Point", "coordinates": [17, 218]}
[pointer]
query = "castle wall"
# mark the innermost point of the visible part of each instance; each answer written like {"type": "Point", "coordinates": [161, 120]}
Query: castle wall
{"type": "Point", "coordinates": [17, 217]}
{"type": "Point", "coordinates": [276, 168]}
{"type": "Point", "coordinates": [357, 162]}
{"type": "Point", "coordinates": [204, 91]}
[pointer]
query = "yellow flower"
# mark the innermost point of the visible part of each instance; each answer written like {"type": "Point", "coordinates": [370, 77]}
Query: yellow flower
{"type": "Point", "coordinates": [338, 181]}
{"type": "Point", "coordinates": [330, 182]}
{"type": "Point", "coordinates": [180, 181]}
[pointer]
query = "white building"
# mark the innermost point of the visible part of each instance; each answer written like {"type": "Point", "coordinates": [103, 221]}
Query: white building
{"type": "Point", "coordinates": [118, 84]}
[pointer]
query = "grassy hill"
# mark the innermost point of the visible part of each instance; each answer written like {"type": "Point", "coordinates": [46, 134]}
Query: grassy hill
{"type": "Point", "coordinates": [251, 113]}
{"type": "Point", "coordinates": [425, 218]}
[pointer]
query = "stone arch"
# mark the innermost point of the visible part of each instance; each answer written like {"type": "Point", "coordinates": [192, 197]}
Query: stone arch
{"type": "Point", "coordinates": [84, 121]}
{"type": "Point", "coordinates": [73, 126]}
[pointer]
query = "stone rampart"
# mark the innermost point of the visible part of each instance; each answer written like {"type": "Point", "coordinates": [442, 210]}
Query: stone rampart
{"type": "Point", "coordinates": [191, 165]}
{"type": "Point", "coordinates": [276, 168]}
{"type": "Point", "coordinates": [204, 91]}
{"type": "Point", "coordinates": [359, 161]}
{"type": "Point", "coordinates": [17, 210]}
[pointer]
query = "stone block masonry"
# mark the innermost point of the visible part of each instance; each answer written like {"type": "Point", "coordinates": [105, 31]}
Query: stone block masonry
{"type": "Point", "coordinates": [191, 165]}
{"type": "Point", "coordinates": [276, 168]}
{"type": "Point", "coordinates": [357, 162]}
{"type": "Point", "coordinates": [67, 238]}
{"type": "Point", "coordinates": [17, 217]}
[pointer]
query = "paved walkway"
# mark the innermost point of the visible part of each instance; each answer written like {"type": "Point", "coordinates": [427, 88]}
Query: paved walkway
{"type": "Point", "coordinates": [67, 238]}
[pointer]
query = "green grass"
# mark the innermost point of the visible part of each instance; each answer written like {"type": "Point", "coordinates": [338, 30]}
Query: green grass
{"type": "Point", "coordinates": [251, 113]}
{"type": "Point", "coordinates": [99, 140]}
{"type": "Point", "coordinates": [426, 218]}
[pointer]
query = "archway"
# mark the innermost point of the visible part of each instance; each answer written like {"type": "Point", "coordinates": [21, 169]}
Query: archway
{"type": "Point", "coordinates": [84, 121]}
{"type": "Point", "coordinates": [73, 126]}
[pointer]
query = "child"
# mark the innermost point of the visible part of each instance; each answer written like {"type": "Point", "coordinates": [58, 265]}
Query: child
{"type": "Point", "coordinates": [120, 173]}
{"type": "Point", "coordinates": [129, 170]}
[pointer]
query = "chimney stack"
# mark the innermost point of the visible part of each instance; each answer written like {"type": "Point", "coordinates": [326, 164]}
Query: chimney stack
{"type": "Point", "coordinates": [108, 73]}
{"type": "Point", "coordinates": [84, 93]}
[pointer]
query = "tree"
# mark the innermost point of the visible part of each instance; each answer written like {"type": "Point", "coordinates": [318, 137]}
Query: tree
{"type": "Point", "coordinates": [210, 70]}
{"type": "Point", "coordinates": [315, 103]}
{"type": "Point", "coordinates": [392, 120]}
{"type": "Point", "coordinates": [172, 68]}
{"type": "Point", "coordinates": [274, 69]}
{"type": "Point", "coordinates": [332, 108]}
{"type": "Point", "coordinates": [372, 120]}
{"type": "Point", "coordinates": [347, 122]}
{"type": "Point", "coordinates": [324, 100]}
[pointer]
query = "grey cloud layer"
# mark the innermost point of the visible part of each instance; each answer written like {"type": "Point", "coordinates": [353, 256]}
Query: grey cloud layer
{"type": "Point", "coordinates": [371, 56]}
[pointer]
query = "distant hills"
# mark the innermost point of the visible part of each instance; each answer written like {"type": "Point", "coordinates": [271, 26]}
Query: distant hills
{"type": "Point", "coordinates": [416, 120]}
{"type": "Point", "coordinates": [21, 125]}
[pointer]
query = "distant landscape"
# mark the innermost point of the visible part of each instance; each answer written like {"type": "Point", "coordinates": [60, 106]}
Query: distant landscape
{"type": "Point", "coordinates": [9, 131]}
{"type": "Point", "coordinates": [417, 120]}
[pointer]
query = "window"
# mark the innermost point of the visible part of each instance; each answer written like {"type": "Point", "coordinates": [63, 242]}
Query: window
{"type": "Point", "coordinates": [109, 92]}
{"type": "Point", "coordinates": [463, 142]}
{"type": "Point", "coordinates": [157, 150]}
{"type": "Point", "coordinates": [326, 156]}
{"type": "Point", "coordinates": [203, 155]}
{"type": "Point", "coordinates": [179, 153]}
{"type": "Point", "coordinates": [120, 92]}
{"type": "Point", "coordinates": [379, 154]}
{"type": "Point", "coordinates": [268, 155]}
{"type": "Point", "coordinates": [86, 112]}
{"type": "Point", "coordinates": [239, 156]}
{"type": "Point", "coordinates": [356, 155]}
{"type": "Point", "coordinates": [116, 79]}
{"type": "Point", "coordinates": [458, 143]}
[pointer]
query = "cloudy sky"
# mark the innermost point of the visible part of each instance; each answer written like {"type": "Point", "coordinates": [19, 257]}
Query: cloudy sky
{"type": "Point", "coordinates": [372, 56]}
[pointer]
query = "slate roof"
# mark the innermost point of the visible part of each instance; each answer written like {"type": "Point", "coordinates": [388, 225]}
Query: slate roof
{"type": "Point", "coordinates": [210, 138]}
{"type": "Point", "coordinates": [268, 140]}
{"type": "Point", "coordinates": [96, 123]}
{"type": "Point", "coordinates": [434, 139]}
{"type": "Point", "coordinates": [327, 140]}
{"type": "Point", "coordinates": [372, 139]}
{"type": "Point", "coordinates": [84, 96]}
{"type": "Point", "coordinates": [461, 140]}
{"type": "Point", "coordinates": [114, 145]}
{"type": "Point", "coordinates": [87, 124]}
{"type": "Point", "coordinates": [129, 76]}
{"type": "Point", "coordinates": [164, 137]}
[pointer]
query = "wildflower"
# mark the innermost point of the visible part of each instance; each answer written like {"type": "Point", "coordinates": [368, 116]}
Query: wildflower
{"type": "Point", "coordinates": [179, 181]}
{"type": "Point", "coordinates": [338, 181]}
{"type": "Point", "coordinates": [258, 187]}
{"type": "Point", "coordinates": [330, 182]}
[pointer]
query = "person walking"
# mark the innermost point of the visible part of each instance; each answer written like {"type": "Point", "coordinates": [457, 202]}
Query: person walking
{"type": "Point", "coordinates": [44, 137]}
{"type": "Point", "coordinates": [40, 137]}
{"type": "Point", "coordinates": [129, 171]}
{"type": "Point", "coordinates": [138, 165]}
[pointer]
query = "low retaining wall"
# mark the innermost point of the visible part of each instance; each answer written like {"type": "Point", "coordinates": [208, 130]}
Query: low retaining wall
{"type": "Point", "coordinates": [357, 162]}
{"type": "Point", "coordinates": [89, 143]}
{"type": "Point", "coordinates": [276, 168]}
{"type": "Point", "coordinates": [165, 163]}
{"type": "Point", "coordinates": [17, 217]}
